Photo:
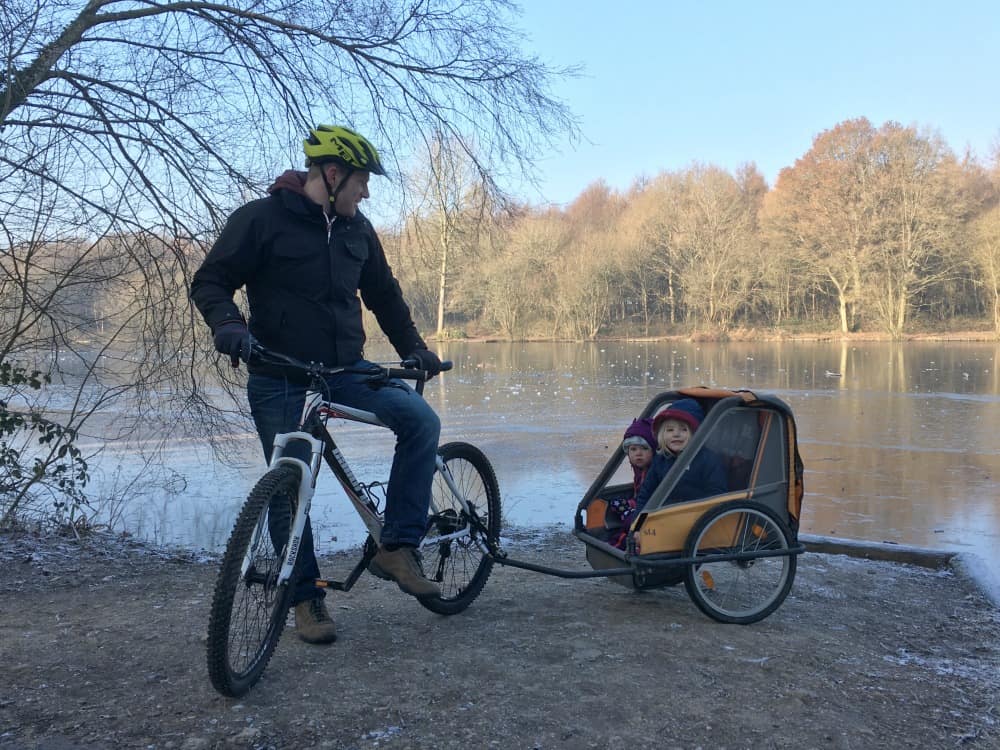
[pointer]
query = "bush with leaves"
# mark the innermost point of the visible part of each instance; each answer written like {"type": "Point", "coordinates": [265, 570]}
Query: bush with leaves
{"type": "Point", "coordinates": [42, 472]}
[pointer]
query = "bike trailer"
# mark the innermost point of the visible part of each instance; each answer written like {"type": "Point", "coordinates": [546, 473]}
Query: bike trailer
{"type": "Point", "coordinates": [755, 521]}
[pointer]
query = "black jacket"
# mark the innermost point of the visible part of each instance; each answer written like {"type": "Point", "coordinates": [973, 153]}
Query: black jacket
{"type": "Point", "coordinates": [302, 283]}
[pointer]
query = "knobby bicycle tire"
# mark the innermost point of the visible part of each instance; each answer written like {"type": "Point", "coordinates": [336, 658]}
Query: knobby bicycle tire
{"type": "Point", "coordinates": [740, 591]}
{"type": "Point", "coordinates": [458, 564]}
{"type": "Point", "coordinates": [249, 609]}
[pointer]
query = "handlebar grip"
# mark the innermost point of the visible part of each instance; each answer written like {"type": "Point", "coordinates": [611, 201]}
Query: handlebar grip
{"type": "Point", "coordinates": [409, 365]}
{"type": "Point", "coordinates": [406, 373]}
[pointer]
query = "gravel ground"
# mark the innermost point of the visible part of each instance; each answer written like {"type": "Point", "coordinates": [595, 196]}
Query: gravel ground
{"type": "Point", "coordinates": [102, 645]}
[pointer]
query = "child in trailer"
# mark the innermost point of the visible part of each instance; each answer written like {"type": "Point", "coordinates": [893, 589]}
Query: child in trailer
{"type": "Point", "coordinates": [704, 476]}
{"type": "Point", "coordinates": [673, 428]}
{"type": "Point", "coordinates": [638, 445]}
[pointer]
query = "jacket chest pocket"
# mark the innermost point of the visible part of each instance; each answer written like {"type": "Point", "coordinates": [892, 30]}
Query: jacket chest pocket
{"type": "Point", "coordinates": [348, 256]}
{"type": "Point", "coordinates": [300, 266]}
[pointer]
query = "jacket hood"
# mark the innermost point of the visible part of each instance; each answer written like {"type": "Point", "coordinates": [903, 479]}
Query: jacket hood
{"type": "Point", "coordinates": [292, 180]}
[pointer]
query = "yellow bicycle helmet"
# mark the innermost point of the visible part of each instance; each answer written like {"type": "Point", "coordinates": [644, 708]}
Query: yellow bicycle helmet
{"type": "Point", "coordinates": [342, 145]}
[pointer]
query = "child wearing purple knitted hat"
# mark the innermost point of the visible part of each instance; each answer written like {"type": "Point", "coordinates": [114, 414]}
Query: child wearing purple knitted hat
{"type": "Point", "coordinates": [639, 445]}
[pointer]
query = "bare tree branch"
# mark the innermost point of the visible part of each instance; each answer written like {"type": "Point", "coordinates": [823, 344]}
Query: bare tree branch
{"type": "Point", "coordinates": [129, 129]}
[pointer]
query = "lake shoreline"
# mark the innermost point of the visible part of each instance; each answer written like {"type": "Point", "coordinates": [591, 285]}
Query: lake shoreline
{"type": "Point", "coordinates": [966, 564]}
{"type": "Point", "coordinates": [742, 336]}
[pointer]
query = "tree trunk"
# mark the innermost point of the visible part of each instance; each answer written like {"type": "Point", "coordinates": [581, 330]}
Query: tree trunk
{"type": "Point", "coordinates": [901, 308]}
{"type": "Point", "coordinates": [442, 279]}
{"type": "Point", "coordinates": [671, 301]}
{"type": "Point", "coordinates": [996, 311]}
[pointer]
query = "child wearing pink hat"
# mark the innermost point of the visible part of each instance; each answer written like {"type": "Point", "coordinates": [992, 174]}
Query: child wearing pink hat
{"type": "Point", "coordinates": [673, 428]}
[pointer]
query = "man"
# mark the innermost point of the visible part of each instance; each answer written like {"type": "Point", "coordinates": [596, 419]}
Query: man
{"type": "Point", "coordinates": [303, 253]}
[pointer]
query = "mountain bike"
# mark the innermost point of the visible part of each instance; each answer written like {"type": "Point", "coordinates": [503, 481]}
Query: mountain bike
{"type": "Point", "coordinates": [255, 584]}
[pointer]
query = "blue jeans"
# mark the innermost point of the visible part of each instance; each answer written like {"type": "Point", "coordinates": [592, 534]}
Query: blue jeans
{"type": "Point", "coordinates": [276, 406]}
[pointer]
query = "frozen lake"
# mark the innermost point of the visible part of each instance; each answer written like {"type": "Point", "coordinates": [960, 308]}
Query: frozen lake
{"type": "Point", "coordinates": [899, 441]}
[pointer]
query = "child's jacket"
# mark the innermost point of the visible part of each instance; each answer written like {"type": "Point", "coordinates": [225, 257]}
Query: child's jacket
{"type": "Point", "coordinates": [704, 477]}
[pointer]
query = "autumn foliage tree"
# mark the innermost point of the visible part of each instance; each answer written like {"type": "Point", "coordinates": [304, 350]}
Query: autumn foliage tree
{"type": "Point", "coordinates": [823, 210]}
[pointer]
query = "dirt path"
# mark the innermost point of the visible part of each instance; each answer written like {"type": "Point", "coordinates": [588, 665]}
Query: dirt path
{"type": "Point", "coordinates": [103, 647]}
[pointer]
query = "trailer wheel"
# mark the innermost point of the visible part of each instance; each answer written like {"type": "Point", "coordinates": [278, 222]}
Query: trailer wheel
{"type": "Point", "coordinates": [758, 574]}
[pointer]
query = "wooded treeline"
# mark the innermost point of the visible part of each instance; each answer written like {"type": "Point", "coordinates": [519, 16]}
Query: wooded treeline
{"type": "Point", "coordinates": [875, 229]}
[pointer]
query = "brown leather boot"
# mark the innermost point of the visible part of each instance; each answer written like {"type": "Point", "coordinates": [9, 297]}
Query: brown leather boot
{"type": "Point", "coordinates": [403, 566]}
{"type": "Point", "coordinates": [314, 622]}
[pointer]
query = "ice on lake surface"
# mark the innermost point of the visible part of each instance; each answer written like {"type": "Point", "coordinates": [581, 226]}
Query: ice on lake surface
{"type": "Point", "coordinates": [898, 440]}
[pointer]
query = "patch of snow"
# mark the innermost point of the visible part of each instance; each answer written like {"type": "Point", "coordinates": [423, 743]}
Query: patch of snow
{"type": "Point", "coordinates": [978, 670]}
{"type": "Point", "coordinates": [378, 735]}
{"type": "Point", "coordinates": [985, 577]}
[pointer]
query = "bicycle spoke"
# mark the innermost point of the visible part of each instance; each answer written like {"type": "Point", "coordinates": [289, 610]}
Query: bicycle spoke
{"type": "Point", "coordinates": [450, 548]}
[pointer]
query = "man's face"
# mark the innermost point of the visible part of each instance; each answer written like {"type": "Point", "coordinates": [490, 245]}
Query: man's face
{"type": "Point", "coordinates": [354, 190]}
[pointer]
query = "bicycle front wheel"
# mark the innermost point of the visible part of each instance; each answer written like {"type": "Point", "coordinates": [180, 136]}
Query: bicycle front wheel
{"type": "Point", "coordinates": [453, 549]}
{"type": "Point", "coordinates": [249, 608]}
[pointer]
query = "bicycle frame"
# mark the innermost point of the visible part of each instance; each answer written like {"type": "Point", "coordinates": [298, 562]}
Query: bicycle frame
{"type": "Point", "coordinates": [315, 413]}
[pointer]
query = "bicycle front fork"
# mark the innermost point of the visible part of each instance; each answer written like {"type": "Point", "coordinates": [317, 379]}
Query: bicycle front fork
{"type": "Point", "coordinates": [307, 487]}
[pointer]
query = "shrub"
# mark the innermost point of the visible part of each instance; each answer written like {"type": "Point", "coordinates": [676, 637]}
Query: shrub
{"type": "Point", "coordinates": [42, 472]}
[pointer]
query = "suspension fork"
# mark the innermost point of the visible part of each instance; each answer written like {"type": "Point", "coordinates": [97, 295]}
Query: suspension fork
{"type": "Point", "coordinates": [307, 487]}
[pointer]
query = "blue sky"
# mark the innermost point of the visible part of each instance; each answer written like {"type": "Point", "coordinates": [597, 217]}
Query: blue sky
{"type": "Point", "coordinates": [668, 83]}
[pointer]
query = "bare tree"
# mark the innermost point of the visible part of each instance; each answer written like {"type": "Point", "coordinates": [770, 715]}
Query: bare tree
{"type": "Point", "coordinates": [143, 124]}
{"type": "Point", "coordinates": [648, 258]}
{"type": "Point", "coordinates": [517, 278]}
{"type": "Point", "coordinates": [171, 105]}
{"type": "Point", "coordinates": [453, 209]}
{"type": "Point", "coordinates": [585, 271]}
{"type": "Point", "coordinates": [986, 242]}
{"type": "Point", "coordinates": [717, 232]}
{"type": "Point", "coordinates": [986, 256]}
{"type": "Point", "coordinates": [918, 226]}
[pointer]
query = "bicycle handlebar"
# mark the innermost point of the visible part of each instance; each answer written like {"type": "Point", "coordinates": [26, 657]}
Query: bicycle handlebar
{"type": "Point", "coordinates": [408, 369]}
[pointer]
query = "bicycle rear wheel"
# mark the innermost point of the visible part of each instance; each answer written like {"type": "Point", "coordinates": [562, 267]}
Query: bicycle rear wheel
{"type": "Point", "coordinates": [453, 547]}
{"type": "Point", "coordinates": [249, 608]}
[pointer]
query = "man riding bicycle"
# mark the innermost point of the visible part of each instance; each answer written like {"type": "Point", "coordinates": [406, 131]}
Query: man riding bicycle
{"type": "Point", "coordinates": [304, 253]}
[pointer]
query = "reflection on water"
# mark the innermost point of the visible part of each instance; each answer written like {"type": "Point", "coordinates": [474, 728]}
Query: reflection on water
{"type": "Point", "coordinates": [898, 440]}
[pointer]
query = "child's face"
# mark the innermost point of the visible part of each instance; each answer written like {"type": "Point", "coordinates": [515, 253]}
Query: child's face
{"type": "Point", "coordinates": [640, 456]}
{"type": "Point", "coordinates": [674, 435]}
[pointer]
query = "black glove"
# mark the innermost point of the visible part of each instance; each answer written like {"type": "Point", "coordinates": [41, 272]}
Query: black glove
{"type": "Point", "coordinates": [427, 361]}
{"type": "Point", "coordinates": [233, 338]}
